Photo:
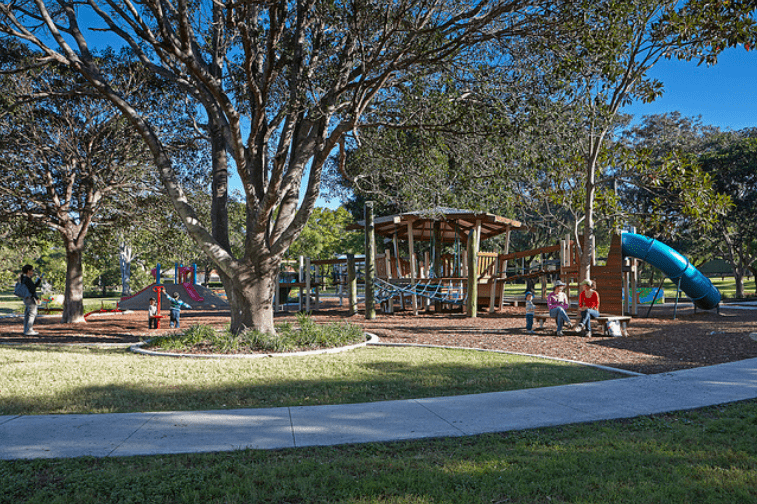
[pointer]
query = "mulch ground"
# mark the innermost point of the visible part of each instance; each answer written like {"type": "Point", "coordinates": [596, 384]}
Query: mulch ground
{"type": "Point", "coordinates": [655, 345]}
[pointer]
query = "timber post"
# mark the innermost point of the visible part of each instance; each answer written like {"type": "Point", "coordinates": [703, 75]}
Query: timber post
{"type": "Point", "coordinates": [437, 257]}
{"type": "Point", "coordinates": [370, 261]}
{"type": "Point", "coordinates": [472, 305]}
{"type": "Point", "coordinates": [351, 284]}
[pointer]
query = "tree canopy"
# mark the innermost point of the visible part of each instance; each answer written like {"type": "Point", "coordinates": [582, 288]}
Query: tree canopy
{"type": "Point", "coordinates": [279, 84]}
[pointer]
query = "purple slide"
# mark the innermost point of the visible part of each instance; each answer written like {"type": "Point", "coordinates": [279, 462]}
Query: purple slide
{"type": "Point", "coordinates": [192, 292]}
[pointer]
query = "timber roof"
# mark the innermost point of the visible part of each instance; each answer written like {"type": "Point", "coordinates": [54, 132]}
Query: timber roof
{"type": "Point", "coordinates": [454, 223]}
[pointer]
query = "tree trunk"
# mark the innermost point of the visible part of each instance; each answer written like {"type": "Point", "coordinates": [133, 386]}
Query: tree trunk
{"type": "Point", "coordinates": [125, 257]}
{"type": "Point", "coordinates": [73, 306]}
{"type": "Point", "coordinates": [251, 301]}
{"type": "Point", "coordinates": [219, 212]}
{"type": "Point", "coordinates": [738, 275]}
{"type": "Point", "coordinates": [587, 248]}
{"type": "Point", "coordinates": [472, 259]}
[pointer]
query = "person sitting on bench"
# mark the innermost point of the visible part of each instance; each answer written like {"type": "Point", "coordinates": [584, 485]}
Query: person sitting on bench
{"type": "Point", "coordinates": [588, 303]}
{"type": "Point", "coordinates": [558, 304]}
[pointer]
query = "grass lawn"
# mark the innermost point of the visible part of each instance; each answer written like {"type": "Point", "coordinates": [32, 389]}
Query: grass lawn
{"type": "Point", "coordinates": [707, 455]}
{"type": "Point", "coordinates": [11, 305]}
{"type": "Point", "coordinates": [46, 380]}
{"type": "Point", "coordinates": [702, 456]}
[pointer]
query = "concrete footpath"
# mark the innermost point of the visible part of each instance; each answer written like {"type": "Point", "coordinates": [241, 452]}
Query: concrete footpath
{"type": "Point", "coordinates": [126, 434]}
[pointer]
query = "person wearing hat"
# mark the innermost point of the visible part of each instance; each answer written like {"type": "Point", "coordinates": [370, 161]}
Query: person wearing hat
{"type": "Point", "coordinates": [588, 303]}
{"type": "Point", "coordinates": [530, 308]}
{"type": "Point", "coordinates": [176, 306]}
{"type": "Point", "coordinates": [558, 304]}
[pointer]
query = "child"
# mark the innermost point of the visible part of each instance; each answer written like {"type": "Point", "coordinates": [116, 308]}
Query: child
{"type": "Point", "coordinates": [530, 313]}
{"type": "Point", "coordinates": [152, 314]}
{"type": "Point", "coordinates": [588, 303]}
{"type": "Point", "coordinates": [176, 305]}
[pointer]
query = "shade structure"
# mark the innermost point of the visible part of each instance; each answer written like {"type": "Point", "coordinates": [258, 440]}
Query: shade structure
{"type": "Point", "coordinates": [453, 224]}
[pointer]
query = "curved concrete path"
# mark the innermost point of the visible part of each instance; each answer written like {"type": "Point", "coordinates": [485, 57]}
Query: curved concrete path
{"type": "Point", "coordinates": [126, 434]}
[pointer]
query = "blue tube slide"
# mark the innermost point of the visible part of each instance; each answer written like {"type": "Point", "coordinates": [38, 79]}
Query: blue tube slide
{"type": "Point", "coordinates": [675, 266]}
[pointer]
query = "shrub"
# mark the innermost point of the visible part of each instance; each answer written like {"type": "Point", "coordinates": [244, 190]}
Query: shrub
{"type": "Point", "coordinates": [304, 335]}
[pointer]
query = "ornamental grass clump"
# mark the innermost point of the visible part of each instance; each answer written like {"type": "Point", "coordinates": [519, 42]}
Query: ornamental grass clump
{"type": "Point", "coordinates": [195, 336]}
{"type": "Point", "coordinates": [304, 335]}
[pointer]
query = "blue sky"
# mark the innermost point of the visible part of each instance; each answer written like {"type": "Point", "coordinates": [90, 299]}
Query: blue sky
{"type": "Point", "coordinates": [724, 94]}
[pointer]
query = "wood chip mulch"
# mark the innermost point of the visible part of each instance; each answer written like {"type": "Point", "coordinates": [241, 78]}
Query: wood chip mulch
{"type": "Point", "coordinates": [656, 344]}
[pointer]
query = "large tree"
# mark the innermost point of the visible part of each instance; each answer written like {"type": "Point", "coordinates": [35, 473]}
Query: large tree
{"type": "Point", "coordinates": [280, 84]}
{"type": "Point", "coordinates": [732, 168]}
{"type": "Point", "coordinates": [547, 112]}
{"type": "Point", "coordinates": [663, 190]}
{"type": "Point", "coordinates": [65, 156]}
{"type": "Point", "coordinates": [606, 55]}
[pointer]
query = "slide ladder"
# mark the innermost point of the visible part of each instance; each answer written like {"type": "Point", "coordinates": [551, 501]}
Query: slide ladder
{"type": "Point", "coordinates": [675, 266]}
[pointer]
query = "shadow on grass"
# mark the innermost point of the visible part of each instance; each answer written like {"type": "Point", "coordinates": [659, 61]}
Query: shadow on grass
{"type": "Point", "coordinates": [373, 381]}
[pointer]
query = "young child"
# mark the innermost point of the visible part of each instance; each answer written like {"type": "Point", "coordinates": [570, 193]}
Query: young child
{"type": "Point", "coordinates": [530, 313]}
{"type": "Point", "coordinates": [152, 314]}
{"type": "Point", "coordinates": [176, 305]}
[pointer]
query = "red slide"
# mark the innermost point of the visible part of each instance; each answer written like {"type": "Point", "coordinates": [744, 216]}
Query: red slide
{"type": "Point", "coordinates": [192, 292]}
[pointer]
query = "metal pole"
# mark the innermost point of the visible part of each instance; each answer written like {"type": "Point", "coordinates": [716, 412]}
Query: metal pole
{"type": "Point", "coordinates": [678, 293]}
{"type": "Point", "coordinates": [657, 292]}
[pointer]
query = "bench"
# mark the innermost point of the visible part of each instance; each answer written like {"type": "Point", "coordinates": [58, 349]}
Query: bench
{"type": "Point", "coordinates": [600, 322]}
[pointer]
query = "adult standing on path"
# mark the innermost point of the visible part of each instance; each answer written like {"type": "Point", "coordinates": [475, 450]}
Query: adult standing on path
{"type": "Point", "coordinates": [31, 301]}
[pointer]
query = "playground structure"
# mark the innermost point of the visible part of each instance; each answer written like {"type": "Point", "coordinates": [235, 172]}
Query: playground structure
{"type": "Point", "coordinates": [441, 280]}
{"type": "Point", "coordinates": [620, 273]}
{"type": "Point", "coordinates": [198, 296]}
{"type": "Point", "coordinates": [446, 280]}
{"type": "Point", "coordinates": [493, 271]}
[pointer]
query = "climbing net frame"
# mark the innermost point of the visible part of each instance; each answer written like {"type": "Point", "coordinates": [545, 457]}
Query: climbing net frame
{"type": "Point", "coordinates": [442, 290]}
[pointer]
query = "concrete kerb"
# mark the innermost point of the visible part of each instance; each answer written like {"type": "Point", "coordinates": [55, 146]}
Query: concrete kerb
{"type": "Point", "coordinates": [376, 342]}
{"type": "Point", "coordinates": [372, 340]}
{"type": "Point", "coordinates": [137, 348]}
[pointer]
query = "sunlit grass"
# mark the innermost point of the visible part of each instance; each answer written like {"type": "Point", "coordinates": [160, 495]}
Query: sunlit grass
{"type": "Point", "coordinates": [10, 304]}
{"type": "Point", "coordinates": [39, 379]}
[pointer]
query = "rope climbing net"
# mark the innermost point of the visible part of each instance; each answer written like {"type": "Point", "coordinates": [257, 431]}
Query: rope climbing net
{"type": "Point", "coordinates": [447, 291]}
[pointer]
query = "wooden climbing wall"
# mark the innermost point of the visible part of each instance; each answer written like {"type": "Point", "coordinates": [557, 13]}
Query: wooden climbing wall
{"type": "Point", "coordinates": [610, 280]}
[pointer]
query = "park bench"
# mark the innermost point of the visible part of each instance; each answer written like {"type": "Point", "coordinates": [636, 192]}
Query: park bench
{"type": "Point", "coordinates": [600, 323]}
